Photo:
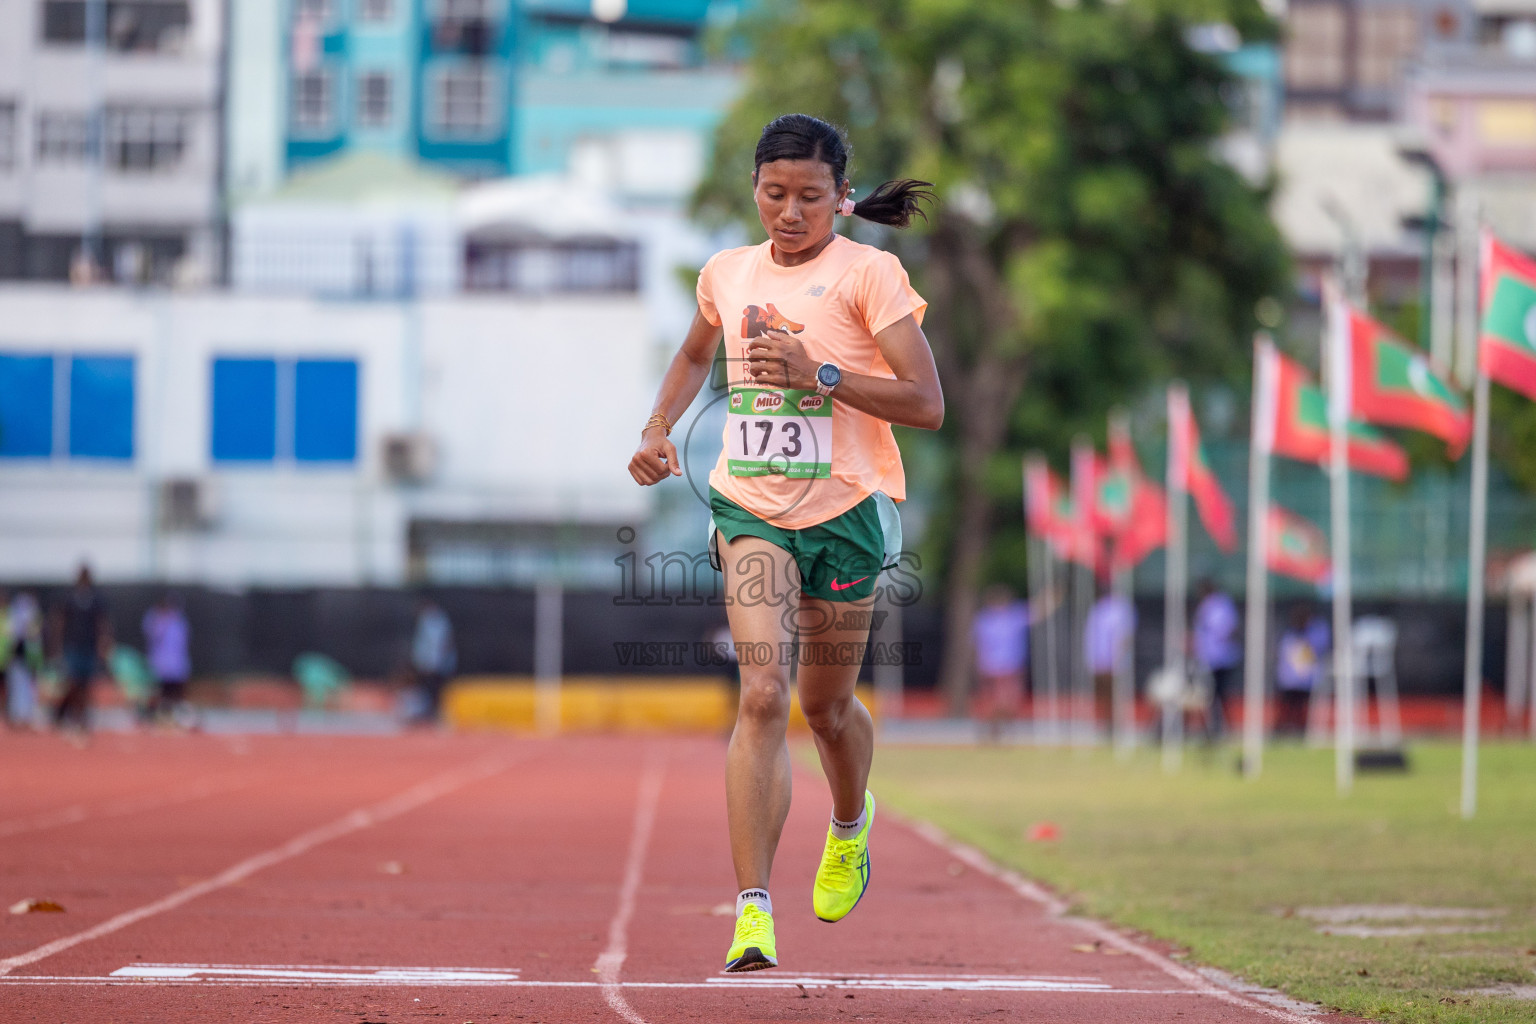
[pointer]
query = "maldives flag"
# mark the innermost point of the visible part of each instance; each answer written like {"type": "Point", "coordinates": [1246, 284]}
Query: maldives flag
{"type": "Point", "coordinates": [1050, 514]}
{"type": "Point", "coordinates": [1296, 548]}
{"type": "Point", "coordinates": [1147, 528]}
{"type": "Point", "coordinates": [1189, 463]}
{"type": "Point", "coordinates": [1113, 489]}
{"type": "Point", "coordinates": [1301, 428]}
{"type": "Point", "coordinates": [1042, 493]}
{"type": "Point", "coordinates": [1141, 510]}
{"type": "Point", "coordinates": [1393, 384]}
{"type": "Point", "coordinates": [1507, 342]}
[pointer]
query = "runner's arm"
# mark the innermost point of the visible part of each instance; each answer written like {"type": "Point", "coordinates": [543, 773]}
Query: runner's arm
{"type": "Point", "coordinates": [656, 458]}
{"type": "Point", "coordinates": [912, 399]}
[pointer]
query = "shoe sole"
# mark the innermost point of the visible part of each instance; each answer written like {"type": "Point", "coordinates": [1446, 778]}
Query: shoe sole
{"type": "Point", "coordinates": [751, 959]}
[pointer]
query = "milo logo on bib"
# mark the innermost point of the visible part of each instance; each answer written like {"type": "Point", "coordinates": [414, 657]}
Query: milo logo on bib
{"type": "Point", "coordinates": [778, 433]}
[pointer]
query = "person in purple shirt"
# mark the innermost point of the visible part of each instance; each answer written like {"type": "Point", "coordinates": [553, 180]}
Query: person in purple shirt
{"type": "Point", "coordinates": [167, 641]}
{"type": "Point", "coordinates": [1218, 649]}
{"type": "Point", "coordinates": [1000, 633]}
{"type": "Point", "coordinates": [1107, 636]}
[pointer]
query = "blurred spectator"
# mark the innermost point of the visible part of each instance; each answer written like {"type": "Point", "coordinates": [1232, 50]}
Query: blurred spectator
{"type": "Point", "coordinates": [1299, 659]}
{"type": "Point", "coordinates": [24, 658]}
{"type": "Point", "coordinates": [1218, 650]}
{"type": "Point", "coordinates": [433, 657]}
{"type": "Point", "coordinates": [1106, 639]}
{"type": "Point", "coordinates": [1000, 633]}
{"type": "Point", "coordinates": [167, 642]}
{"type": "Point", "coordinates": [85, 640]}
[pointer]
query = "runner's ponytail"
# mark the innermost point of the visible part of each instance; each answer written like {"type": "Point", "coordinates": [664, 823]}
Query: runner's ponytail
{"type": "Point", "coordinates": [895, 202]}
{"type": "Point", "coordinates": [803, 137]}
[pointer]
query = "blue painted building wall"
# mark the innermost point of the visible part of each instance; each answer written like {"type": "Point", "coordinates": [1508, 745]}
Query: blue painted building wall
{"type": "Point", "coordinates": [561, 76]}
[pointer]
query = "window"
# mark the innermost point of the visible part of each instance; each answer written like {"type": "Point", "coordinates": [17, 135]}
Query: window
{"type": "Point", "coordinates": [312, 101]}
{"type": "Point", "coordinates": [465, 10]}
{"type": "Point", "coordinates": [374, 95]}
{"type": "Point", "coordinates": [63, 137]}
{"type": "Point", "coordinates": [266, 409]}
{"type": "Point", "coordinates": [101, 407]}
{"type": "Point", "coordinates": [376, 10]}
{"type": "Point", "coordinates": [325, 410]}
{"type": "Point", "coordinates": [98, 412]}
{"type": "Point", "coordinates": [1314, 53]}
{"type": "Point", "coordinates": [142, 139]}
{"type": "Point", "coordinates": [128, 26]}
{"type": "Point", "coordinates": [1388, 36]}
{"type": "Point", "coordinates": [244, 410]}
{"type": "Point", "coordinates": [493, 265]}
{"type": "Point", "coordinates": [465, 100]}
{"type": "Point", "coordinates": [26, 406]}
{"type": "Point", "coordinates": [7, 136]}
{"type": "Point", "coordinates": [320, 10]}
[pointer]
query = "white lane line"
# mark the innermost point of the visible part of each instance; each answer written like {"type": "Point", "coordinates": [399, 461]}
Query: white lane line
{"type": "Point", "coordinates": [364, 817]}
{"type": "Point", "coordinates": [116, 809]}
{"type": "Point", "coordinates": [715, 984]}
{"type": "Point", "coordinates": [319, 975]}
{"type": "Point", "coordinates": [1057, 908]}
{"type": "Point", "coordinates": [610, 962]}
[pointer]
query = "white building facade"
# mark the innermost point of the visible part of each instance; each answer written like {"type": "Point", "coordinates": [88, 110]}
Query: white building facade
{"type": "Point", "coordinates": [257, 440]}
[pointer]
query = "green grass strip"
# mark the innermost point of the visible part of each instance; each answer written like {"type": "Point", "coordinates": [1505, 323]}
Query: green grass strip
{"type": "Point", "coordinates": [1221, 866]}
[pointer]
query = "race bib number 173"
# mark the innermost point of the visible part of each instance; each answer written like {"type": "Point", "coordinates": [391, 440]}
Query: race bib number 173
{"type": "Point", "coordinates": [778, 432]}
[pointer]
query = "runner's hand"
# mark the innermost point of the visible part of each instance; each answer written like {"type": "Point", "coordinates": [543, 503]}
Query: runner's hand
{"type": "Point", "coordinates": [776, 359]}
{"type": "Point", "coordinates": [655, 459]}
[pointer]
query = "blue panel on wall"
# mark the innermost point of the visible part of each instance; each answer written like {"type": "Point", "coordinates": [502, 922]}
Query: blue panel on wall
{"type": "Point", "coordinates": [26, 406]}
{"type": "Point", "coordinates": [244, 410]}
{"type": "Point", "coordinates": [101, 407]}
{"type": "Point", "coordinates": [325, 410]}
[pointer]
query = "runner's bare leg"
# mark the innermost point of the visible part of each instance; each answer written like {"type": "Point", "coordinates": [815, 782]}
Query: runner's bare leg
{"type": "Point", "coordinates": [758, 590]}
{"type": "Point", "coordinates": [841, 724]}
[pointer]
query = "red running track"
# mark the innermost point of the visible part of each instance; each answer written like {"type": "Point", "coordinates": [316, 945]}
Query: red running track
{"type": "Point", "coordinates": [494, 879]}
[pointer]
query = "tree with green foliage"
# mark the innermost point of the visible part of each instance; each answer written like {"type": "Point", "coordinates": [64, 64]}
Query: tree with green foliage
{"type": "Point", "coordinates": [1088, 240]}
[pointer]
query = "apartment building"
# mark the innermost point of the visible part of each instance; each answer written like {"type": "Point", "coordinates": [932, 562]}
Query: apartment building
{"type": "Point", "coordinates": [109, 140]}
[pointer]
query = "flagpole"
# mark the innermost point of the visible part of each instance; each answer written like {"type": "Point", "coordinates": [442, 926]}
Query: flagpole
{"type": "Point", "coordinates": [1122, 692]}
{"type": "Point", "coordinates": [1334, 338]}
{"type": "Point", "coordinates": [1477, 550]}
{"type": "Point", "coordinates": [1052, 647]}
{"type": "Point", "coordinates": [1261, 442]}
{"type": "Point", "coordinates": [1038, 622]}
{"type": "Point", "coordinates": [1174, 584]}
{"type": "Point", "coordinates": [1477, 546]}
{"type": "Point", "coordinates": [1084, 502]}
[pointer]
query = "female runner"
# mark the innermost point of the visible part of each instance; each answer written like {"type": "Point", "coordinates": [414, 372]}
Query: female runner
{"type": "Point", "coordinates": [824, 352]}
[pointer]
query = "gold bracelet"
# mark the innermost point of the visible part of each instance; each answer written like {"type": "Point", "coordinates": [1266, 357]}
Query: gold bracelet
{"type": "Point", "coordinates": [657, 420]}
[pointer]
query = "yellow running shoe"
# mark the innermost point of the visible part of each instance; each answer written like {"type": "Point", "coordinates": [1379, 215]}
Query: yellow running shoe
{"type": "Point", "coordinates": [753, 949]}
{"type": "Point", "coordinates": [844, 872]}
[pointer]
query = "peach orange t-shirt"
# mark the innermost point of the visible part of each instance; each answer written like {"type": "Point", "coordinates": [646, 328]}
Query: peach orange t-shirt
{"type": "Point", "coordinates": [834, 305]}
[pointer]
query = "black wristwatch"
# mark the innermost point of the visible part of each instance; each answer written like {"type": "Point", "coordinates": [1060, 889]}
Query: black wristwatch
{"type": "Point", "coordinates": [828, 376]}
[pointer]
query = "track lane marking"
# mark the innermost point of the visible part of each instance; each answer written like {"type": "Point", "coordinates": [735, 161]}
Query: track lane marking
{"type": "Point", "coordinates": [1056, 908]}
{"type": "Point", "coordinates": [320, 975]}
{"type": "Point", "coordinates": [364, 817]}
{"type": "Point", "coordinates": [893, 983]}
{"type": "Point", "coordinates": [610, 962]}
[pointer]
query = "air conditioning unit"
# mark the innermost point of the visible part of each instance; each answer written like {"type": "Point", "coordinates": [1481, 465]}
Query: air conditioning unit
{"type": "Point", "coordinates": [187, 503]}
{"type": "Point", "coordinates": [409, 458]}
